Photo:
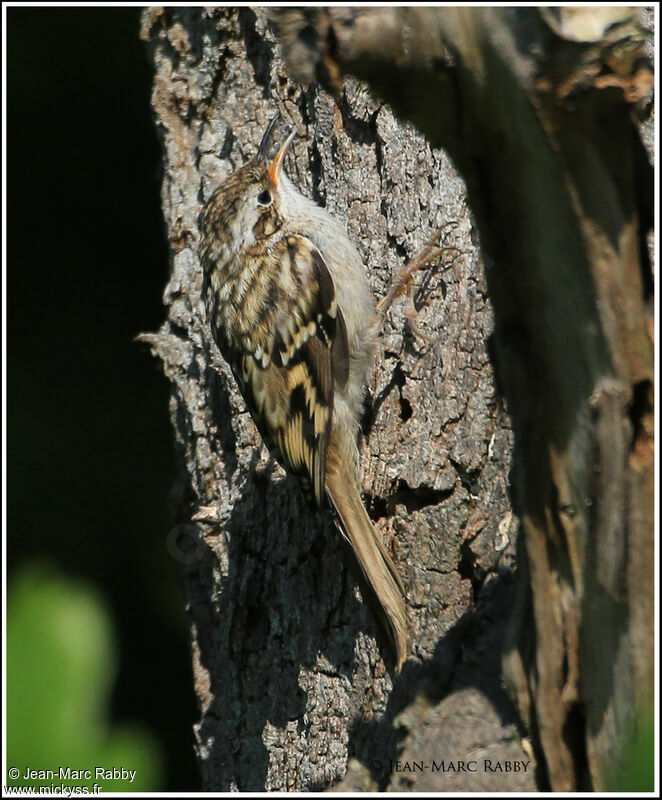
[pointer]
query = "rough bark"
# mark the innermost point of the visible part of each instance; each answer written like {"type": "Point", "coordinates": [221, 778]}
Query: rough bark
{"type": "Point", "coordinates": [287, 659]}
{"type": "Point", "coordinates": [539, 110]}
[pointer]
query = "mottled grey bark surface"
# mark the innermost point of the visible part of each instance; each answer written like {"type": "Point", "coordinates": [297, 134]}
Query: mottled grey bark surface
{"type": "Point", "coordinates": [291, 669]}
{"type": "Point", "coordinates": [542, 109]}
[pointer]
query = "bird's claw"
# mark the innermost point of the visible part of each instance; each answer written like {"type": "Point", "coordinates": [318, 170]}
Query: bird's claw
{"type": "Point", "coordinates": [405, 280]}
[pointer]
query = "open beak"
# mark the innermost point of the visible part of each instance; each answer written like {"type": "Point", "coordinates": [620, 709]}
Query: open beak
{"type": "Point", "coordinates": [277, 163]}
{"type": "Point", "coordinates": [265, 144]}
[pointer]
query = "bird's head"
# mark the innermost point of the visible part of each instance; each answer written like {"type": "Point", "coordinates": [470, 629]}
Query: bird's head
{"type": "Point", "coordinates": [247, 208]}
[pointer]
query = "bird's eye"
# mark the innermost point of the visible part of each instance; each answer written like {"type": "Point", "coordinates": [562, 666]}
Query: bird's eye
{"type": "Point", "coordinates": [264, 198]}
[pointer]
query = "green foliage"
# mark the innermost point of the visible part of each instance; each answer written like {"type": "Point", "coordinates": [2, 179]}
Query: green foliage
{"type": "Point", "coordinates": [636, 772]}
{"type": "Point", "coordinates": [61, 661]}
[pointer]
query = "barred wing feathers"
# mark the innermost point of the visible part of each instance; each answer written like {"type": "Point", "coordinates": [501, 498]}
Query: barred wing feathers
{"type": "Point", "coordinates": [289, 379]}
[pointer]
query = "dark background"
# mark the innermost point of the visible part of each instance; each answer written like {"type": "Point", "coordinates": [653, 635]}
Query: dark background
{"type": "Point", "coordinates": [90, 455]}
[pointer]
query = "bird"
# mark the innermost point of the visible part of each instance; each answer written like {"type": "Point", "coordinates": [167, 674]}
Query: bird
{"type": "Point", "coordinates": [289, 306]}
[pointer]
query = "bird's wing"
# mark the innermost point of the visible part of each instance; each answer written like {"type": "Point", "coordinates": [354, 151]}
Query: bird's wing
{"type": "Point", "coordinates": [289, 385]}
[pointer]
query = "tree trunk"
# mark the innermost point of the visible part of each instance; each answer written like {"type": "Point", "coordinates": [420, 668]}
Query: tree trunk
{"type": "Point", "coordinates": [287, 659]}
{"type": "Point", "coordinates": [539, 110]}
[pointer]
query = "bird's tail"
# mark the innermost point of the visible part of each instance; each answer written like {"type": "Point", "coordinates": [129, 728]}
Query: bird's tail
{"type": "Point", "coordinates": [377, 565]}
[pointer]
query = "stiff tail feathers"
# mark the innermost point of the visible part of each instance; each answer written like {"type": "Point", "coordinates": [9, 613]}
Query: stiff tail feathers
{"type": "Point", "coordinates": [375, 561]}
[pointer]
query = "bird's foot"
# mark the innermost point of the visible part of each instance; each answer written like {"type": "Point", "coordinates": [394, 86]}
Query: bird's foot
{"type": "Point", "coordinates": [429, 255]}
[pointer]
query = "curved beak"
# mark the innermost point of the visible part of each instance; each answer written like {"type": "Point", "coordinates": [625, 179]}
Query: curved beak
{"type": "Point", "coordinates": [277, 163]}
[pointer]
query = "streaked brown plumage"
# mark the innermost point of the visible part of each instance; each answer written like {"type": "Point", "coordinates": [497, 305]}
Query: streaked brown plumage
{"type": "Point", "coordinates": [290, 309]}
